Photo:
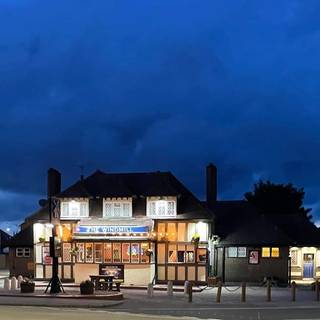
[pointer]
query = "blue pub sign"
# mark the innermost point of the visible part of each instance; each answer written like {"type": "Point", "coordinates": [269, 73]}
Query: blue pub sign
{"type": "Point", "coordinates": [111, 229]}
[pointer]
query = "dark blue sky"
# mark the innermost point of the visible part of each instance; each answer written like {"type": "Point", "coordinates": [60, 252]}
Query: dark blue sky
{"type": "Point", "coordinates": [158, 85]}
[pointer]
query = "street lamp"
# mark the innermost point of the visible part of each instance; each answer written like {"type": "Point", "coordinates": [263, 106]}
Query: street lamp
{"type": "Point", "coordinates": [54, 284]}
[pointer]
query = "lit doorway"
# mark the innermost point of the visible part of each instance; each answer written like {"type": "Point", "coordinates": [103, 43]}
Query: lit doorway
{"type": "Point", "coordinates": [308, 265]}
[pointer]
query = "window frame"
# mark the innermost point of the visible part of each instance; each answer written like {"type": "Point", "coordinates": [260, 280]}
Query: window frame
{"type": "Point", "coordinates": [154, 205]}
{"type": "Point", "coordinates": [25, 252]}
{"type": "Point", "coordinates": [270, 256]}
{"type": "Point", "coordinates": [237, 249]}
{"type": "Point", "coordinates": [122, 202]}
{"type": "Point", "coordinates": [68, 216]}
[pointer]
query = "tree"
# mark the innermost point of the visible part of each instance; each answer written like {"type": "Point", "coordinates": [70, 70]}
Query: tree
{"type": "Point", "coordinates": [271, 198]}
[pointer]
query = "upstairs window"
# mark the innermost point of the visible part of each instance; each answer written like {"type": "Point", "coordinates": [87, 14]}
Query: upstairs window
{"type": "Point", "coordinates": [74, 209]}
{"type": "Point", "coordinates": [117, 208]}
{"type": "Point", "coordinates": [160, 208]}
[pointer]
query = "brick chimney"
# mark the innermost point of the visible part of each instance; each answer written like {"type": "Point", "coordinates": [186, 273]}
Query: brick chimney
{"type": "Point", "coordinates": [54, 182]}
{"type": "Point", "coordinates": [211, 176]}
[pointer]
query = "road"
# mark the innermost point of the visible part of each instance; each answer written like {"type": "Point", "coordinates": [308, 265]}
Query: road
{"type": "Point", "coordinates": [45, 313]}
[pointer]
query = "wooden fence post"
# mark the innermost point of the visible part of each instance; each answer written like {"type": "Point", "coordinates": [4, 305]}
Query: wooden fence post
{"type": "Point", "coordinates": [293, 291]}
{"type": "Point", "coordinates": [268, 290]}
{"type": "Point", "coordinates": [243, 292]}
{"type": "Point", "coordinates": [190, 292]}
{"type": "Point", "coordinates": [219, 290]}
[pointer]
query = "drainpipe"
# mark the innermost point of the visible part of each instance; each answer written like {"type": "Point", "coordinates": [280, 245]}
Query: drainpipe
{"type": "Point", "coordinates": [224, 264]}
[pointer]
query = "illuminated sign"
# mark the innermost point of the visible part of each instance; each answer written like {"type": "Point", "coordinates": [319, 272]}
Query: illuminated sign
{"type": "Point", "coordinates": [111, 229]}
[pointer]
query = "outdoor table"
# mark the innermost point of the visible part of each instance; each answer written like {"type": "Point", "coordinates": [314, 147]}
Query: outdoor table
{"type": "Point", "coordinates": [96, 279]}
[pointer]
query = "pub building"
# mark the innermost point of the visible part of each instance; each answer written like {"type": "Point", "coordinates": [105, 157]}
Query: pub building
{"type": "Point", "coordinates": [149, 223]}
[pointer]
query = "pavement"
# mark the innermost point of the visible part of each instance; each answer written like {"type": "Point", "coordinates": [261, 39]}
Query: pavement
{"type": "Point", "coordinates": [203, 305]}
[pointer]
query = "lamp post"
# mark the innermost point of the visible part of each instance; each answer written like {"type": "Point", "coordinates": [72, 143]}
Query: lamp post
{"type": "Point", "coordinates": [55, 248]}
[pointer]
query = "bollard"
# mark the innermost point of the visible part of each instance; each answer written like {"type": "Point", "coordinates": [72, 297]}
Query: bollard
{"type": "Point", "coordinates": [150, 290]}
{"type": "Point", "coordinates": [13, 283]}
{"type": "Point", "coordinates": [7, 284]}
{"type": "Point", "coordinates": [186, 287]}
{"type": "Point", "coordinates": [268, 290]}
{"type": "Point", "coordinates": [293, 291]}
{"type": "Point", "coordinates": [243, 292]}
{"type": "Point", "coordinates": [317, 290]}
{"type": "Point", "coordinates": [170, 288]}
{"type": "Point", "coordinates": [20, 279]}
{"type": "Point", "coordinates": [190, 292]}
{"type": "Point", "coordinates": [219, 290]}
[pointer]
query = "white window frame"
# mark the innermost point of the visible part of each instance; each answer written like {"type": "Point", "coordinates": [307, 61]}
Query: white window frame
{"type": "Point", "coordinates": [155, 206]}
{"type": "Point", "coordinates": [66, 209]}
{"type": "Point", "coordinates": [24, 252]}
{"type": "Point", "coordinates": [117, 203]}
{"type": "Point", "coordinates": [237, 252]}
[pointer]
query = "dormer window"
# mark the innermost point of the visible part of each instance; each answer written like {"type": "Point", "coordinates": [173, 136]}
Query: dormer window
{"type": "Point", "coordinates": [74, 209]}
{"type": "Point", "coordinates": [161, 207]}
{"type": "Point", "coordinates": [117, 207]}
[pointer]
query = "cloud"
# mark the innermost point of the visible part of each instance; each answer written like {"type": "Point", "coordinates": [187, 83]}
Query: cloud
{"type": "Point", "coordinates": [124, 86]}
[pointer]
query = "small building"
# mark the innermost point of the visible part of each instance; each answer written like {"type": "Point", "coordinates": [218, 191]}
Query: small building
{"type": "Point", "coordinates": [21, 258]}
{"type": "Point", "coordinates": [4, 244]}
{"type": "Point", "coordinates": [252, 247]}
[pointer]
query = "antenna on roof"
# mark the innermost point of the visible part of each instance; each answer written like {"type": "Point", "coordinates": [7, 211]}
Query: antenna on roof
{"type": "Point", "coordinates": [81, 172]}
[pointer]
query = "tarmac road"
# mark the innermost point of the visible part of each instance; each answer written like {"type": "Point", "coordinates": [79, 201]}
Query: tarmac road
{"type": "Point", "coordinates": [47, 313]}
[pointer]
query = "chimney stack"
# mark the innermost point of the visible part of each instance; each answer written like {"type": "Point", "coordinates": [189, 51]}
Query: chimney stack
{"type": "Point", "coordinates": [211, 175]}
{"type": "Point", "coordinates": [54, 182]}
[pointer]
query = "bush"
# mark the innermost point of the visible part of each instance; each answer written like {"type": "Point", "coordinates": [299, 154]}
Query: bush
{"type": "Point", "coordinates": [27, 286]}
{"type": "Point", "coordinates": [86, 287]}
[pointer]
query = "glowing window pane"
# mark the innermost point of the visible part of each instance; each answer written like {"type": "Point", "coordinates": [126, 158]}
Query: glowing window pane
{"type": "Point", "coordinates": [275, 253]}
{"type": "Point", "coordinates": [125, 252]}
{"type": "Point", "coordinates": [265, 252]}
{"type": "Point", "coordinates": [107, 252]}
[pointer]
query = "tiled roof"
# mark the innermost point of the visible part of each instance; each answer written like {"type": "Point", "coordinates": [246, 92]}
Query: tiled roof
{"type": "Point", "coordinates": [144, 184]}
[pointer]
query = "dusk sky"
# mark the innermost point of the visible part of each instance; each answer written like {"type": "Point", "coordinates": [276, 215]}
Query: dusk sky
{"type": "Point", "coordinates": [151, 85]}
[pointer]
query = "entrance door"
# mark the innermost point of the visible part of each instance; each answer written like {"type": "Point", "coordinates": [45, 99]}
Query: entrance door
{"type": "Point", "coordinates": [308, 265]}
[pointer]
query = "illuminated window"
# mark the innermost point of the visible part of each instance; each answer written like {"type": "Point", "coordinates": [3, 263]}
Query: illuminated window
{"type": "Point", "coordinates": [275, 253]}
{"type": "Point", "coordinates": [89, 252]}
{"type": "Point", "coordinates": [117, 208]}
{"type": "Point", "coordinates": [181, 232]}
{"type": "Point", "coordinates": [145, 252]}
{"type": "Point", "coordinates": [232, 252]}
{"type": "Point", "coordinates": [107, 252]}
{"type": "Point", "coordinates": [98, 252]}
{"type": "Point", "coordinates": [74, 209]}
{"type": "Point", "coordinates": [294, 257]}
{"type": "Point", "coordinates": [161, 208]}
{"type": "Point", "coordinates": [66, 252]}
{"type": "Point", "coordinates": [268, 252]}
{"type": "Point", "coordinates": [116, 252]}
{"type": "Point", "coordinates": [202, 255]}
{"type": "Point", "coordinates": [265, 252]}
{"type": "Point", "coordinates": [172, 253]}
{"type": "Point", "coordinates": [171, 231]}
{"type": "Point", "coordinates": [80, 251]}
{"type": "Point", "coordinates": [161, 231]}
{"type": "Point", "coordinates": [135, 250]}
{"type": "Point", "coordinates": [126, 252]}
